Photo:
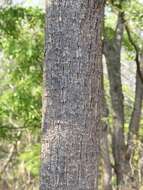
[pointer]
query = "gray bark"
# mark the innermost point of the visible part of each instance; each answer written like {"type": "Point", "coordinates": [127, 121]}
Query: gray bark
{"type": "Point", "coordinates": [72, 95]}
{"type": "Point", "coordinates": [112, 52]}
{"type": "Point", "coordinates": [136, 114]}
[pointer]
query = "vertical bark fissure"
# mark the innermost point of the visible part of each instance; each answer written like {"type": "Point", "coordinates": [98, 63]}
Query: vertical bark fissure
{"type": "Point", "coordinates": [72, 95]}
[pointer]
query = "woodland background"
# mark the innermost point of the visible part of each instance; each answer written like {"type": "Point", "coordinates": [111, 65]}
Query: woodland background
{"type": "Point", "coordinates": [21, 66]}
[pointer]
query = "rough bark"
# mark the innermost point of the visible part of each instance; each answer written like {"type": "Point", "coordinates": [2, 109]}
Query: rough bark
{"type": "Point", "coordinates": [72, 95]}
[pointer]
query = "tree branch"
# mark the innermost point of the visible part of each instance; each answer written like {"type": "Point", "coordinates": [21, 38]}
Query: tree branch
{"type": "Point", "coordinates": [5, 165]}
{"type": "Point", "coordinates": [136, 51]}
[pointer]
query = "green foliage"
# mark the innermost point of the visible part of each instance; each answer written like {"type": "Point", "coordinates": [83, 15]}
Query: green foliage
{"type": "Point", "coordinates": [21, 45]}
{"type": "Point", "coordinates": [135, 13]}
{"type": "Point", "coordinates": [31, 159]}
{"type": "Point", "coordinates": [110, 23]}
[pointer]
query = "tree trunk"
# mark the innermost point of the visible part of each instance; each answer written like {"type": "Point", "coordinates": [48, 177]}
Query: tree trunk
{"type": "Point", "coordinates": [136, 114]}
{"type": "Point", "coordinates": [72, 95]}
{"type": "Point", "coordinates": [134, 127]}
{"type": "Point", "coordinates": [112, 52]}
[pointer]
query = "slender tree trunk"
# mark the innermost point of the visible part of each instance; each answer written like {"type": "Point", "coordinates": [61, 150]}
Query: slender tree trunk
{"type": "Point", "coordinates": [72, 95]}
{"type": "Point", "coordinates": [112, 52]}
{"type": "Point", "coordinates": [134, 127]}
{"type": "Point", "coordinates": [136, 114]}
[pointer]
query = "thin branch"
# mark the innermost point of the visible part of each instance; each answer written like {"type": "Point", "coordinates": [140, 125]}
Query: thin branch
{"type": "Point", "coordinates": [119, 8]}
{"type": "Point", "coordinates": [11, 153]}
{"type": "Point", "coordinates": [16, 128]}
{"type": "Point", "coordinates": [137, 52]}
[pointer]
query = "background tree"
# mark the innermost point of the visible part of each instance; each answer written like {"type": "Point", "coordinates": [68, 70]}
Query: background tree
{"type": "Point", "coordinates": [112, 50]}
